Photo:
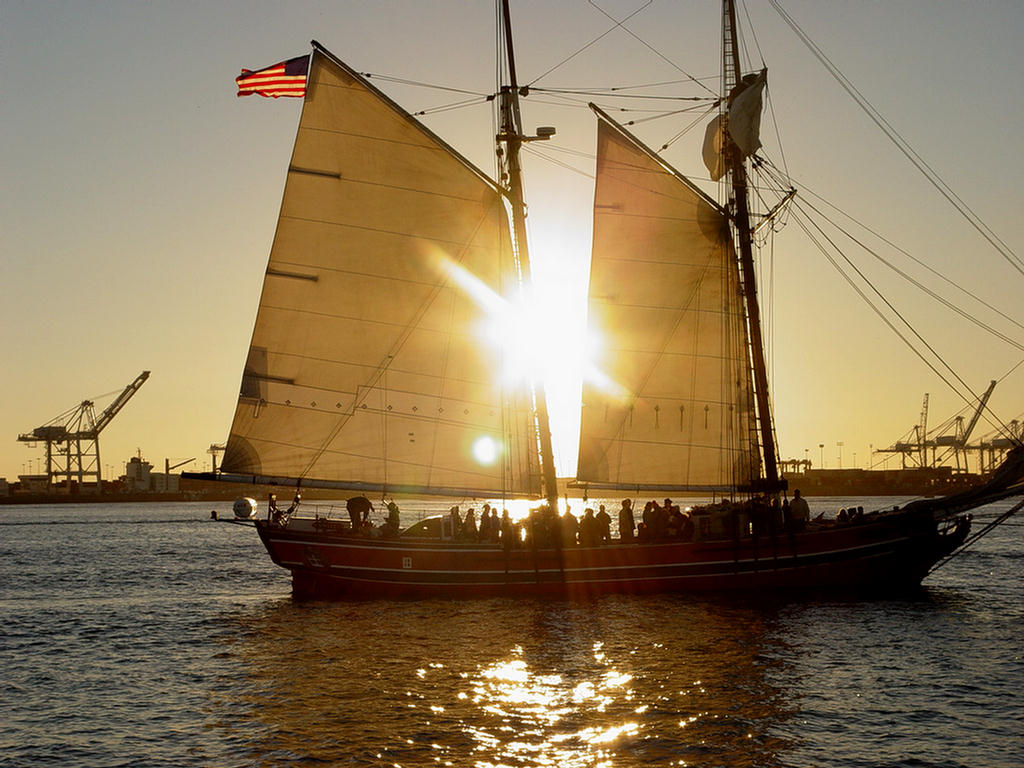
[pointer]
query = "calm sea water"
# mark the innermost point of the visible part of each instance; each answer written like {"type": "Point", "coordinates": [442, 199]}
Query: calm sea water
{"type": "Point", "coordinates": [148, 635]}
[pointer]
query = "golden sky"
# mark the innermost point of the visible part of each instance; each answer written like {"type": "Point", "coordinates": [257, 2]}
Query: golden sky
{"type": "Point", "coordinates": [141, 196]}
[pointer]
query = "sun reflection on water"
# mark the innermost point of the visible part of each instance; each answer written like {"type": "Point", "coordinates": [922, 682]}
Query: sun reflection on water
{"type": "Point", "coordinates": [509, 684]}
{"type": "Point", "coordinates": [538, 717]}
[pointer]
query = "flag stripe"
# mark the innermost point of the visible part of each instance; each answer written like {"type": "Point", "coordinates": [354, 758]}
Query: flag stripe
{"type": "Point", "coordinates": [287, 78]}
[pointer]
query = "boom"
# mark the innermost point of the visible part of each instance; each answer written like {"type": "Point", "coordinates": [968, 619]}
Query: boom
{"type": "Point", "coordinates": [119, 402]}
{"type": "Point", "coordinates": [977, 415]}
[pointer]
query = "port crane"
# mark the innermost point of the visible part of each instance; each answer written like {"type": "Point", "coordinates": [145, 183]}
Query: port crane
{"type": "Point", "coordinates": [73, 439]}
{"type": "Point", "coordinates": [913, 447]}
{"type": "Point", "coordinates": [955, 443]}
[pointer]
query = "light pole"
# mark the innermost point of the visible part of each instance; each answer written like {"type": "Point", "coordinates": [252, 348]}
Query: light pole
{"type": "Point", "coordinates": [821, 454]}
{"type": "Point", "coordinates": [839, 445]}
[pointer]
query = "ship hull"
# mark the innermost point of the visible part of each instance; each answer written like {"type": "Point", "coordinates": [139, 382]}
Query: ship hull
{"type": "Point", "coordinates": [892, 553]}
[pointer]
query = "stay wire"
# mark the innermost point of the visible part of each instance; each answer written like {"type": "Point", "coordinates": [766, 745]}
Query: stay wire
{"type": "Point", "coordinates": [902, 145]}
{"type": "Point", "coordinates": [686, 129]}
{"type": "Point", "coordinates": [420, 84]}
{"type": "Point", "coordinates": [614, 93]}
{"type": "Point", "coordinates": [604, 34]}
{"type": "Point", "coordinates": [917, 284]}
{"type": "Point", "coordinates": [622, 25]}
{"type": "Point", "coordinates": [448, 107]}
{"type": "Point", "coordinates": [785, 180]}
{"type": "Point", "coordinates": [984, 531]}
{"type": "Point", "coordinates": [753, 34]}
{"type": "Point", "coordinates": [973, 396]}
{"type": "Point", "coordinates": [560, 163]}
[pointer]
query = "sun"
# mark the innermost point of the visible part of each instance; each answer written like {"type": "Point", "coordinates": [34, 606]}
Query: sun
{"type": "Point", "coordinates": [544, 339]}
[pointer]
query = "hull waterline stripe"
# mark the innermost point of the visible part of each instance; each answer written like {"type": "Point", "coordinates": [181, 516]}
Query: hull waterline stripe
{"type": "Point", "coordinates": [550, 583]}
{"type": "Point", "coordinates": [668, 564]}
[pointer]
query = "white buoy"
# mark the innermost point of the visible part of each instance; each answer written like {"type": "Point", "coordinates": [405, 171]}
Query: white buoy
{"type": "Point", "coordinates": [245, 508]}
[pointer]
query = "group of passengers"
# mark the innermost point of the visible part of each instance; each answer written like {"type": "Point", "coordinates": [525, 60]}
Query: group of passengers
{"type": "Point", "coordinates": [544, 528]}
{"type": "Point", "coordinates": [489, 529]}
{"type": "Point", "coordinates": [658, 522]}
{"type": "Point", "coordinates": [851, 515]}
{"type": "Point", "coordinates": [769, 516]}
{"type": "Point", "coordinates": [592, 529]}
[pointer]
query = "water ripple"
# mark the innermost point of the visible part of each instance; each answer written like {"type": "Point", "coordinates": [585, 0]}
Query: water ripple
{"type": "Point", "coordinates": [155, 638]}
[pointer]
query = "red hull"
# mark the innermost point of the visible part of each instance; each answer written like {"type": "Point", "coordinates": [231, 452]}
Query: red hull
{"type": "Point", "coordinates": [890, 552]}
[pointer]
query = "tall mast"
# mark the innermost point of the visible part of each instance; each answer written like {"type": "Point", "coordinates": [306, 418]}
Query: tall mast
{"type": "Point", "coordinates": [511, 135]}
{"type": "Point", "coordinates": [738, 174]}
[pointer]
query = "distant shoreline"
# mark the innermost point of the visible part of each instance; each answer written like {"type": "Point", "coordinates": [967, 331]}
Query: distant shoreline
{"type": "Point", "coordinates": [198, 492]}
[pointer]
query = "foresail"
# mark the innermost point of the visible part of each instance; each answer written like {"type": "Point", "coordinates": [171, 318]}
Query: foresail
{"type": "Point", "coordinates": [367, 364]}
{"type": "Point", "coordinates": [676, 410]}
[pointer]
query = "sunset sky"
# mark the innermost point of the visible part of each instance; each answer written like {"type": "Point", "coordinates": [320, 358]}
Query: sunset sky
{"type": "Point", "coordinates": [141, 195]}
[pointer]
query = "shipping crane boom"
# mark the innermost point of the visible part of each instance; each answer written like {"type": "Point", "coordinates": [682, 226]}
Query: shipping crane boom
{"type": "Point", "coordinates": [119, 402]}
{"type": "Point", "coordinates": [977, 414]}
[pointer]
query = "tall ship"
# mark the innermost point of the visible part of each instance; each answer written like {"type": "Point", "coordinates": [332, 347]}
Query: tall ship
{"type": "Point", "coordinates": [367, 374]}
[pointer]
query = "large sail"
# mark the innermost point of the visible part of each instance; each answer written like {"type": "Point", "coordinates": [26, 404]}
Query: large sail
{"type": "Point", "coordinates": [367, 367]}
{"type": "Point", "coordinates": [677, 410]}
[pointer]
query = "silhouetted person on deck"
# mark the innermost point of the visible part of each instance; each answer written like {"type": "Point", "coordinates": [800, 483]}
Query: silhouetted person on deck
{"type": "Point", "coordinates": [687, 530]}
{"type": "Point", "coordinates": [393, 523]}
{"type": "Point", "coordinates": [485, 526]}
{"type": "Point", "coordinates": [799, 512]}
{"type": "Point", "coordinates": [569, 528]}
{"type": "Point", "coordinates": [589, 535]}
{"type": "Point", "coordinates": [604, 525]}
{"type": "Point", "coordinates": [359, 508]}
{"type": "Point", "coordinates": [469, 532]}
{"type": "Point", "coordinates": [626, 522]}
{"type": "Point", "coordinates": [660, 527]}
{"type": "Point", "coordinates": [508, 532]}
{"type": "Point", "coordinates": [454, 523]}
{"type": "Point", "coordinates": [675, 522]}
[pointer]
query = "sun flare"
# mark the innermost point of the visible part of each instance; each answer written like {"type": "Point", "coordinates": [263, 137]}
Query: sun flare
{"type": "Point", "coordinates": [542, 338]}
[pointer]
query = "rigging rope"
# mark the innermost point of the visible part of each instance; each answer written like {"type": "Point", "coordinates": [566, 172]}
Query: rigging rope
{"type": "Point", "coordinates": [923, 288]}
{"type": "Point", "coordinates": [420, 84]}
{"type": "Point", "coordinates": [607, 32]}
{"type": "Point", "coordinates": [785, 180]}
{"type": "Point", "coordinates": [983, 532]}
{"type": "Point", "coordinates": [902, 145]}
{"type": "Point", "coordinates": [614, 90]}
{"type": "Point", "coordinates": [877, 310]}
{"type": "Point", "coordinates": [622, 25]}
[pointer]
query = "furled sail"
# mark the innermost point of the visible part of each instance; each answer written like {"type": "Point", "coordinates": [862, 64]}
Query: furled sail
{"type": "Point", "coordinates": [676, 411]}
{"type": "Point", "coordinates": [367, 368]}
{"type": "Point", "coordinates": [745, 112]}
{"type": "Point", "coordinates": [744, 124]}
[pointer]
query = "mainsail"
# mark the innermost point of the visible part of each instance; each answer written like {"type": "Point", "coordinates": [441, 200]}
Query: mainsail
{"type": "Point", "coordinates": [366, 367]}
{"type": "Point", "coordinates": [665, 297]}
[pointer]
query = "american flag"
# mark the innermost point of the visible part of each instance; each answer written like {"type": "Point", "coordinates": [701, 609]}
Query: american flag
{"type": "Point", "coordinates": [287, 78]}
